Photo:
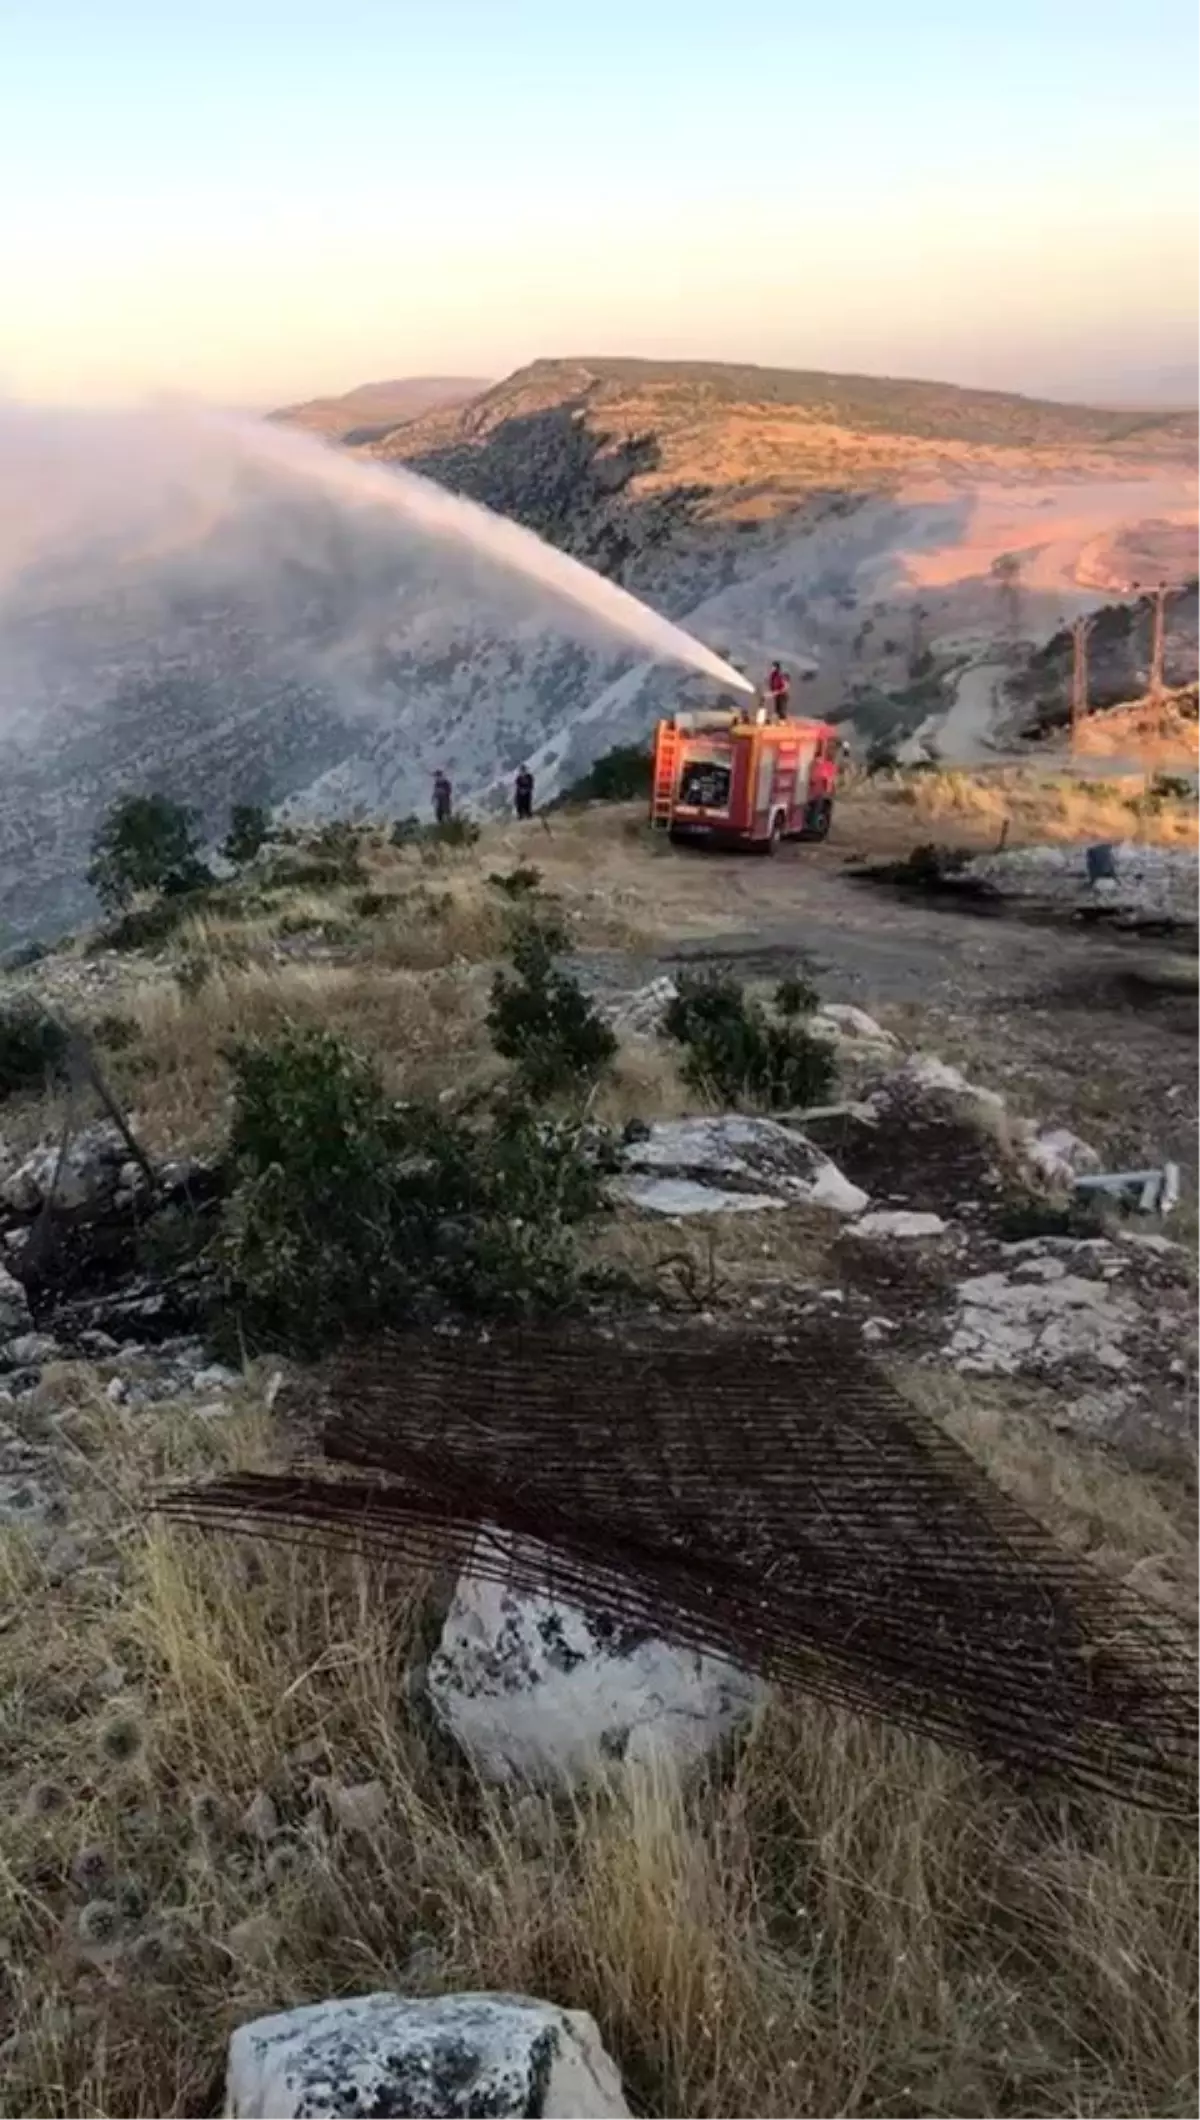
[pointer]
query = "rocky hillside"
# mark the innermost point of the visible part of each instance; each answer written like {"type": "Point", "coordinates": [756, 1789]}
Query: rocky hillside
{"type": "Point", "coordinates": [849, 522]}
{"type": "Point", "coordinates": [282, 647]}
{"type": "Point", "coordinates": [758, 440]}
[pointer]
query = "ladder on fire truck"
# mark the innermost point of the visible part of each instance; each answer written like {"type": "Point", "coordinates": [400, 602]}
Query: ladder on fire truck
{"type": "Point", "coordinates": [666, 767]}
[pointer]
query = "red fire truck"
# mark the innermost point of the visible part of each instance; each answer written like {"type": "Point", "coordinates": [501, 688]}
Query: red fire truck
{"type": "Point", "coordinates": [727, 780]}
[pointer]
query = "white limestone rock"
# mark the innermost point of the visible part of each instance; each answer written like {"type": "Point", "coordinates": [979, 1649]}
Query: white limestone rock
{"type": "Point", "coordinates": [851, 1026]}
{"type": "Point", "coordinates": [1039, 1316]}
{"type": "Point", "coordinates": [903, 1222]}
{"type": "Point", "coordinates": [733, 1154]}
{"type": "Point", "coordinates": [15, 1316]}
{"type": "Point", "coordinates": [357, 1807]}
{"type": "Point", "coordinates": [641, 1012]}
{"type": "Point", "coordinates": [686, 1196]}
{"type": "Point", "coordinates": [924, 1074]}
{"type": "Point", "coordinates": [1059, 1157]}
{"type": "Point", "coordinates": [536, 1689]}
{"type": "Point", "coordinates": [449, 2056]}
{"type": "Point", "coordinates": [90, 1172]}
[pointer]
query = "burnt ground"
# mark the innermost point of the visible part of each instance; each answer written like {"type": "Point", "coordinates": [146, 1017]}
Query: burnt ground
{"type": "Point", "coordinates": [1077, 1027]}
{"type": "Point", "coordinates": [1072, 1023]}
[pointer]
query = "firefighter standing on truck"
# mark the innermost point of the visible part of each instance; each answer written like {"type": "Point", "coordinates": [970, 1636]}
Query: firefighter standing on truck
{"type": "Point", "coordinates": [779, 685]}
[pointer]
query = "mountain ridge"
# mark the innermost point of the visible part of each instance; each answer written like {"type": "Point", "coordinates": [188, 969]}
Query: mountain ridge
{"type": "Point", "coordinates": [376, 408]}
{"type": "Point", "coordinates": [922, 411]}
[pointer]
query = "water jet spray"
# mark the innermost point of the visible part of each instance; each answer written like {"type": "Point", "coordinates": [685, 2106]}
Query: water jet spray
{"type": "Point", "coordinates": [443, 514]}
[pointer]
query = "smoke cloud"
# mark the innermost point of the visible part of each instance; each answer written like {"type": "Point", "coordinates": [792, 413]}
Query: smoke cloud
{"type": "Point", "coordinates": [227, 611]}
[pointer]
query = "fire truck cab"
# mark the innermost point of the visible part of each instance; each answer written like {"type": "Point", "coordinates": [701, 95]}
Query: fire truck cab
{"type": "Point", "coordinates": [728, 779]}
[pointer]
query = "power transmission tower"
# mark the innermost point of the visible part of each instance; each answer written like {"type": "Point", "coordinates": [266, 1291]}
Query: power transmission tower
{"type": "Point", "coordinates": [1007, 571]}
{"type": "Point", "coordinates": [1158, 639]}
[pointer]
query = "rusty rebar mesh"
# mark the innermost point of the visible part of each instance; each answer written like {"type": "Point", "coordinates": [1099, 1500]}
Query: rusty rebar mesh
{"type": "Point", "coordinates": [779, 1504]}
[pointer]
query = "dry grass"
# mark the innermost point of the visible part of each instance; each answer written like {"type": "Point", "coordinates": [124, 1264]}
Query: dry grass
{"type": "Point", "coordinates": [847, 1921]}
{"type": "Point", "coordinates": [843, 1920]}
{"type": "Point", "coordinates": [644, 1083]}
{"type": "Point", "coordinates": [175, 1078]}
{"type": "Point", "coordinates": [1040, 806]}
{"type": "Point", "coordinates": [1160, 734]}
{"type": "Point", "coordinates": [407, 983]}
{"type": "Point", "coordinates": [434, 907]}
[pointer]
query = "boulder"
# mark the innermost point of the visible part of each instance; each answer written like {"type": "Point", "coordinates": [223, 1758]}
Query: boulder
{"type": "Point", "coordinates": [90, 1173]}
{"type": "Point", "coordinates": [533, 1688]}
{"type": "Point", "coordinates": [1058, 1156]}
{"type": "Point", "coordinates": [451, 2055]}
{"type": "Point", "coordinates": [925, 1075]}
{"type": "Point", "coordinates": [903, 1222]}
{"type": "Point", "coordinates": [357, 1807]}
{"type": "Point", "coordinates": [29, 1350]}
{"type": "Point", "coordinates": [641, 1012]}
{"type": "Point", "coordinates": [851, 1026]}
{"type": "Point", "coordinates": [15, 1315]}
{"type": "Point", "coordinates": [731, 1163]}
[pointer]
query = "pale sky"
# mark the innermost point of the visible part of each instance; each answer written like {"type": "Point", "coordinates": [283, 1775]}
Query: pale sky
{"type": "Point", "coordinates": [257, 200]}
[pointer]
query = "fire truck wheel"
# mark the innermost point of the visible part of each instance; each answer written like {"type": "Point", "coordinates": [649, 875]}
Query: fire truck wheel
{"type": "Point", "coordinates": [778, 828]}
{"type": "Point", "coordinates": [817, 819]}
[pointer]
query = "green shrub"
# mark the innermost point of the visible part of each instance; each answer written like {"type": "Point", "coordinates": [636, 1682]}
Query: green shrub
{"type": "Point", "coordinates": [173, 1238]}
{"type": "Point", "coordinates": [738, 1053]}
{"type": "Point", "coordinates": [145, 843]}
{"type": "Point", "coordinates": [349, 1212]}
{"type": "Point", "coordinates": [1165, 787]}
{"type": "Point", "coordinates": [146, 927]}
{"type": "Point", "coordinates": [624, 774]}
{"type": "Point", "coordinates": [113, 1032]}
{"type": "Point", "coordinates": [454, 832]}
{"type": "Point", "coordinates": [330, 858]}
{"type": "Point", "coordinates": [339, 841]}
{"type": "Point", "coordinates": [249, 829]}
{"type": "Point", "coordinates": [522, 882]}
{"type": "Point", "coordinates": [33, 1046]}
{"type": "Point", "coordinates": [796, 995]}
{"type": "Point", "coordinates": [370, 904]}
{"type": "Point", "coordinates": [541, 1019]}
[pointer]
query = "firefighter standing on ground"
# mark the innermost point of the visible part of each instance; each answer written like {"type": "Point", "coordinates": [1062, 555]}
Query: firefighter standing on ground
{"type": "Point", "coordinates": [779, 685]}
{"type": "Point", "coordinates": [443, 798]}
{"type": "Point", "coordinates": [523, 793]}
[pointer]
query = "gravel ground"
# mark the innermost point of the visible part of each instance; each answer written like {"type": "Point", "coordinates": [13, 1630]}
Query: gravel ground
{"type": "Point", "coordinates": [1072, 1023]}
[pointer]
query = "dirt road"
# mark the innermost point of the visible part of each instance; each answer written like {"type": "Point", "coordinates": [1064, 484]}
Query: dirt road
{"type": "Point", "coordinates": [1070, 1024]}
